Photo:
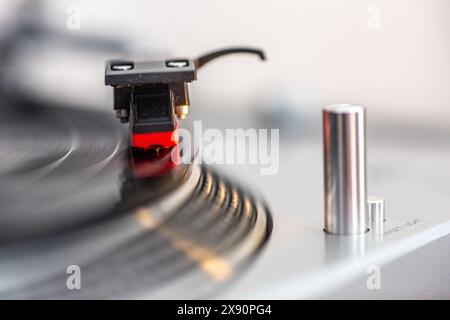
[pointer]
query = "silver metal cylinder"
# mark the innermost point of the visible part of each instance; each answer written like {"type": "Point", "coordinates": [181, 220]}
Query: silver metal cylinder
{"type": "Point", "coordinates": [376, 213]}
{"type": "Point", "coordinates": [344, 147]}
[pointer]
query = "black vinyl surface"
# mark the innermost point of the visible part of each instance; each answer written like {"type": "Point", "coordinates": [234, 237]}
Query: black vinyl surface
{"type": "Point", "coordinates": [70, 195]}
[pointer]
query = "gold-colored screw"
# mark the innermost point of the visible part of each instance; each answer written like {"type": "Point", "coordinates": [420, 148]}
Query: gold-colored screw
{"type": "Point", "coordinates": [182, 111]}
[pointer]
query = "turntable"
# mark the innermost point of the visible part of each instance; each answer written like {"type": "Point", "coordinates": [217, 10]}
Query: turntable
{"type": "Point", "coordinates": [83, 215]}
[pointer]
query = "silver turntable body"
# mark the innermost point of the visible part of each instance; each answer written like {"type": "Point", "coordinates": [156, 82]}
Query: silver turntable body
{"type": "Point", "coordinates": [408, 167]}
{"type": "Point", "coordinates": [130, 250]}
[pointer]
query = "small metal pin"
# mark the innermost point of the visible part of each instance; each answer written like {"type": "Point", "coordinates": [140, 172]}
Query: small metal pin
{"type": "Point", "coordinates": [377, 213]}
{"type": "Point", "coordinates": [376, 209]}
{"type": "Point", "coordinates": [124, 113]}
{"type": "Point", "coordinates": [182, 111]}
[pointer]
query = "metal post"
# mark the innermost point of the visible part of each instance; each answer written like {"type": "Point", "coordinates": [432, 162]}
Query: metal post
{"type": "Point", "coordinates": [344, 138]}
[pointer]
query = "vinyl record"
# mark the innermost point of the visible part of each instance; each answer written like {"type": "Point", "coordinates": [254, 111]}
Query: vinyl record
{"type": "Point", "coordinates": [75, 197]}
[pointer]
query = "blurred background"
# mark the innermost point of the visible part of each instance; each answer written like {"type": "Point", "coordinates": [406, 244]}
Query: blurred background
{"type": "Point", "coordinates": [389, 55]}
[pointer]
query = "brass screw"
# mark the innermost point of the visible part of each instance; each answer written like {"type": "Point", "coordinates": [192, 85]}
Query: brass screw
{"type": "Point", "coordinates": [182, 111]}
